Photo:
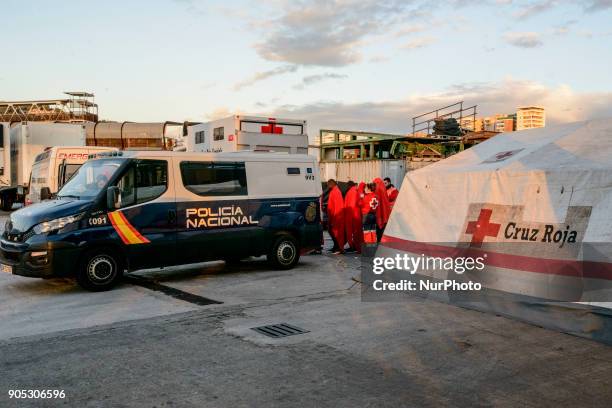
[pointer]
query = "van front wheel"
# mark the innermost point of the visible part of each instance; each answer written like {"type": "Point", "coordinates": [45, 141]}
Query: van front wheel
{"type": "Point", "coordinates": [285, 253]}
{"type": "Point", "coordinates": [100, 270]}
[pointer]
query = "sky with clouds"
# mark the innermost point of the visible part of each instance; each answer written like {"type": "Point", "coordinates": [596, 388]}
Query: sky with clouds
{"type": "Point", "coordinates": [352, 64]}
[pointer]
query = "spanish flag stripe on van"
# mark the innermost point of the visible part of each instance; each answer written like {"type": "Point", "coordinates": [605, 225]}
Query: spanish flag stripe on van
{"type": "Point", "coordinates": [111, 217]}
{"type": "Point", "coordinates": [128, 234]}
{"type": "Point", "coordinates": [132, 229]}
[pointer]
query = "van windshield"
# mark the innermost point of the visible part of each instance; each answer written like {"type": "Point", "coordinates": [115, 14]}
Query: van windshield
{"type": "Point", "coordinates": [91, 178]}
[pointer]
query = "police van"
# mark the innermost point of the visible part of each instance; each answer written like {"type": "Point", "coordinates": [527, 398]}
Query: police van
{"type": "Point", "coordinates": [130, 210]}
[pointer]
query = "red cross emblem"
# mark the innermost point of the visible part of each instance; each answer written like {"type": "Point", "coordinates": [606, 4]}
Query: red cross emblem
{"type": "Point", "coordinates": [374, 203]}
{"type": "Point", "coordinates": [482, 227]}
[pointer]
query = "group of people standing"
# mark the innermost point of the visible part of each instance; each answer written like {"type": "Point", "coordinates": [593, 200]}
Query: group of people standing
{"type": "Point", "coordinates": [365, 207]}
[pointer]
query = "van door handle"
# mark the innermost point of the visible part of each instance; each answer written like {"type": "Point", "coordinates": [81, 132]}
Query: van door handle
{"type": "Point", "coordinates": [172, 216]}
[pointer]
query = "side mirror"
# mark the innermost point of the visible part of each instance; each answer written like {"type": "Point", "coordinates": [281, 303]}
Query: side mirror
{"type": "Point", "coordinates": [112, 197]}
{"type": "Point", "coordinates": [45, 193]}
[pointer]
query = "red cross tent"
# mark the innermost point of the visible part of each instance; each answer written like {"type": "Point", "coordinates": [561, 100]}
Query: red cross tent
{"type": "Point", "coordinates": [537, 202]}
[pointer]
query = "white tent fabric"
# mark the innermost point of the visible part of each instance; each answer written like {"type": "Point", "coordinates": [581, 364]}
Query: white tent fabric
{"type": "Point", "coordinates": [537, 202]}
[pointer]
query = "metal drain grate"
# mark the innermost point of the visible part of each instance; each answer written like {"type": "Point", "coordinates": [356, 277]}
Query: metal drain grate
{"type": "Point", "coordinates": [279, 330]}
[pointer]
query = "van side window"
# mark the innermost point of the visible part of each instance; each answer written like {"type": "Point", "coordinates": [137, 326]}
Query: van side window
{"type": "Point", "coordinates": [145, 181]}
{"type": "Point", "coordinates": [214, 178]}
{"type": "Point", "coordinates": [151, 179]}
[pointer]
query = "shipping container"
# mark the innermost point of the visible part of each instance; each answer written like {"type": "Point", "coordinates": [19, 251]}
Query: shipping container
{"type": "Point", "coordinates": [368, 170]}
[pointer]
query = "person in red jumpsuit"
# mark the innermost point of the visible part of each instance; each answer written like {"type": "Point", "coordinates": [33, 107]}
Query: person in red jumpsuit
{"type": "Point", "coordinates": [361, 189]}
{"type": "Point", "coordinates": [384, 208]}
{"type": "Point", "coordinates": [352, 218]}
{"type": "Point", "coordinates": [335, 216]}
{"type": "Point", "coordinates": [392, 192]}
{"type": "Point", "coordinates": [369, 205]}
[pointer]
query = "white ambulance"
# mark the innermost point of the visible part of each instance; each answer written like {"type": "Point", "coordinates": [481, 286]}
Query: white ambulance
{"type": "Point", "coordinates": [236, 133]}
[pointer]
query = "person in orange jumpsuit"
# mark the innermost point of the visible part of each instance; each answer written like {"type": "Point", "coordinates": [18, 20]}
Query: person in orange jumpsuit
{"type": "Point", "coordinates": [352, 218]}
{"type": "Point", "coordinates": [335, 216]}
{"type": "Point", "coordinates": [384, 208]}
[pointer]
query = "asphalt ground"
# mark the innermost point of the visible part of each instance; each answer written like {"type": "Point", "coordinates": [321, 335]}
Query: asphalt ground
{"type": "Point", "coordinates": [183, 337]}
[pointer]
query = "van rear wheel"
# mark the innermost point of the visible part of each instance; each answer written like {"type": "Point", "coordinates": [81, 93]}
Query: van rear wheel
{"type": "Point", "coordinates": [100, 270]}
{"type": "Point", "coordinates": [285, 253]}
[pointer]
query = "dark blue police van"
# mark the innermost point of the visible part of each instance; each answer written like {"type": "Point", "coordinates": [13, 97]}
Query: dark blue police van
{"type": "Point", "coordinates": [131, 210]}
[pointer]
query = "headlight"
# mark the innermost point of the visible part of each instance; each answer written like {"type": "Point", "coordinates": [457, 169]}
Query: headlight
{"type": "Point", "coordinates": [57, 224]}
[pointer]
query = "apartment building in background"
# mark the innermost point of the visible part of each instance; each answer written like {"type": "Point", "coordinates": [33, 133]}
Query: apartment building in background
{"type": "Point", "coordinates": [504, 123]}
{"type": "Point", "coordinates": [526, 117]}
{"type": "Point", "coordinates": [530, 117]}
{"type": "Point", "coordinates": [494, 123]}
